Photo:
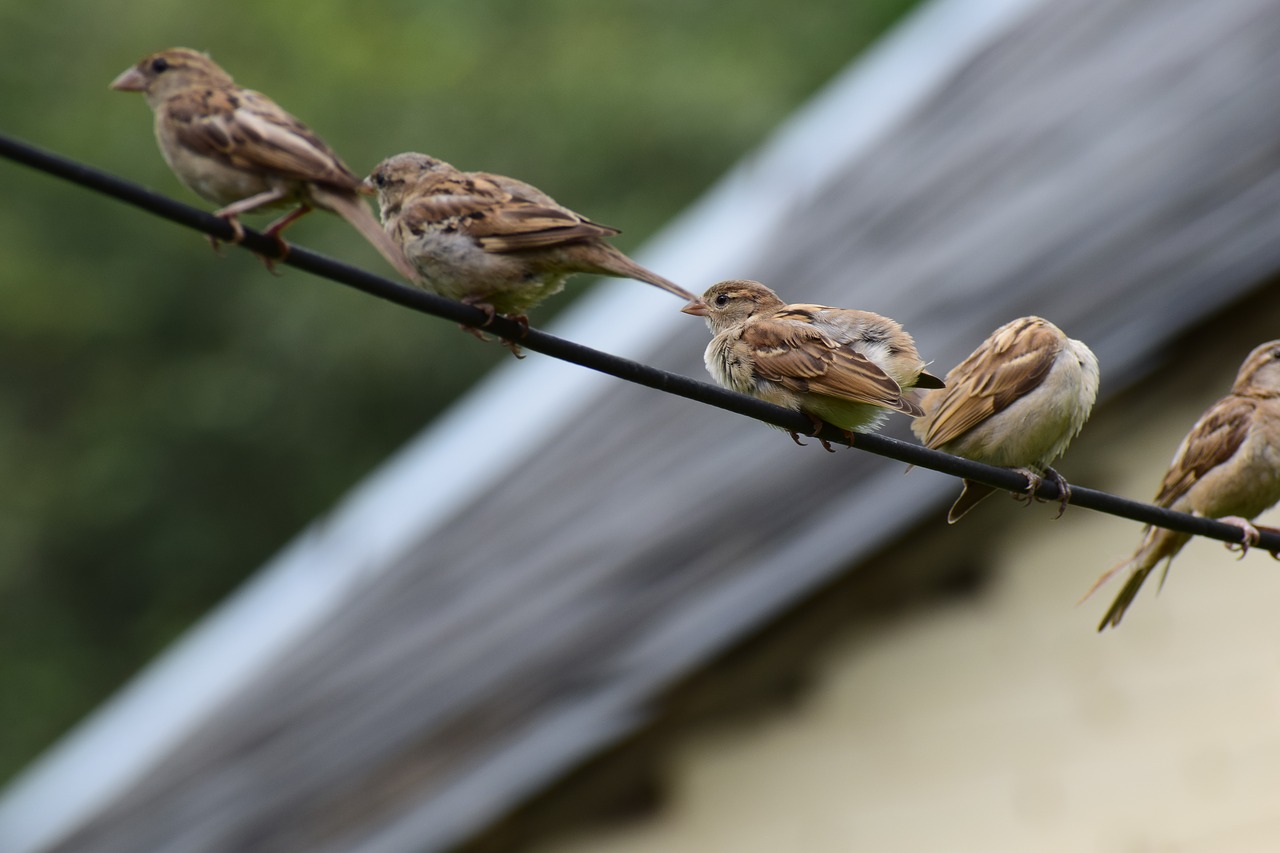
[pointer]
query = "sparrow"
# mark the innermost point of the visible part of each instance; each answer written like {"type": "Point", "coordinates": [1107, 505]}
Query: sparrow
{"type": "Point", "coordinates": [1227, 467]}
{"type": "Point", "coordinates": [239, 149]}
{"type": "Point", "coordinates": [1016, 401]}
{"type": "Point", "coordinates": [846, 367]}
{"type": "Point", "coordinates": [492, 241]}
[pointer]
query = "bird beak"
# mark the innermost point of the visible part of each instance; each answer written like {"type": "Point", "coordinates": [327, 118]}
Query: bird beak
{"type": "Point", "coordinates": [131, 80]}
{"type": "Point", "coordinates": [696, 307]}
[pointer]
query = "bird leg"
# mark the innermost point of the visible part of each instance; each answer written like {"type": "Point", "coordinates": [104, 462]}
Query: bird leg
{"type": "Point", "coordinates": [253, 202]}
{"type": "Point", "coordinates": [231, 213]}
{"type": "Point", "coordinates": [1064, 490]}
{"type": "Point", "coordinates": [273, 231]}
{"type": "Point", "coordinates": [1249, 534]}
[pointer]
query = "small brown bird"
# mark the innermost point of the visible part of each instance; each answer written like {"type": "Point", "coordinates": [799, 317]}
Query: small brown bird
{"type": "Point", "coordinates": [846, 367]}
{"type": "Point", "coordinates": [1227, 467]}
{"type": "Point", "coordinates": [238, 148]}
{"type": "Point", "coordinates": [491, 241]}
{"type": "Point", "coordinates": [1016, 402]}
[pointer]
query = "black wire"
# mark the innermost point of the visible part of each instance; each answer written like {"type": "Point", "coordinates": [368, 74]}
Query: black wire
{"type": "Point", "coordinates": [631, 371]}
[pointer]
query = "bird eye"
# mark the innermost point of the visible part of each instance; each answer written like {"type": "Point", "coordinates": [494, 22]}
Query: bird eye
{"type": "Point", "coordinates": [159, 64]}
{"type": "Point", "coordinates": [379, 179]}
{"type": "Point", "coordinates": [722, 300]}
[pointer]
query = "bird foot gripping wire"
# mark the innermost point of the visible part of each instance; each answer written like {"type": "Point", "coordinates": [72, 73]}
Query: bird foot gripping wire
{"type": "Point", "coordinates": [1249, 535]}
{"type": "Point", "coordinates": [231, 213]}
{"type": "Point", "coordinates": [237, 231]}
{"type": "Point", "coordinates": [1064, 490]}
{"type": "Point", "coordinates": [237, 237]}
{"type": "Point", "coordinates": [489, 314]}
{"type": "Point", "coordinates": [1034, 481]}
{"type": "Point", "coordinates": [1028, 495]}
{"type": "Point", "coordinates": [1262, 528]}
{"type": "Point", "coordinates": [523, 322]}
{"type": "Point", "coordinates": [818, 424]}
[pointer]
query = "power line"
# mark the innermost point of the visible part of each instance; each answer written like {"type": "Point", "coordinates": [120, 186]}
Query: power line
{"type": "Point", "coordinates": [631, 371]}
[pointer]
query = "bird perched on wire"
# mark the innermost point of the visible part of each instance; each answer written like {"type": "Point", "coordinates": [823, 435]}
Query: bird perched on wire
{"type": "Point", "coordinates": [1227, 467]}
{"type": "Point", "coordinates": [846, 367]}
{"type": "Point", "coordinates": [239, 149]}
{"type": "Point", "coordinates": [1016, 401]}
{"type": "Point", "coordinates": [492, 241]}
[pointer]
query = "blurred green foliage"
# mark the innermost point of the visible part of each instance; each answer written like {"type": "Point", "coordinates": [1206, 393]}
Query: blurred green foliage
{"type": "Point", "coordinates": [170, 418]}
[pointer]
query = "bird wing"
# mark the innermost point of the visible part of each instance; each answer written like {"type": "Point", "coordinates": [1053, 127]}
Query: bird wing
{"type": "Point", "coordinates": [249, 131]}
{"type": "Point", "coordinates": [500, 214]}
{"type": "Point", "coordinates": [801, 358]}
{"type": "Point", "coordinates": [1008, 366]}
{"type": "Point", "coordinates": [1213, 440]}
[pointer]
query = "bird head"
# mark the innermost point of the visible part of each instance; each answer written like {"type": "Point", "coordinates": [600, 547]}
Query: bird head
{"type": "Point", "coordinates": [163, 74]}
{"type": "Point", "coordinates": [732, 303]}
{"type": "Point", "coordinates": [1259, 376]}
{"type": "Point", "coordinates": [395, 177]}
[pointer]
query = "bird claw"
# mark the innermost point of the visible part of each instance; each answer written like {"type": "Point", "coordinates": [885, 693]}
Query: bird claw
{"type": "Point", "coordinates": [1262, 528]}
{"type": "Point", "coordinates": [1033, 485]}
{"type": "Point", "coordinates": [523, 322]}
{"type": "Point", "coordinates": [489, 311]}
{"type": "Point", "coordinates": [1249, 535]}
{"type": "Point", "coordinates": [489, 314]}
{"type": "Point", "coordinates": [282, 252]}
{"type": "Point", "coordinates": [237, 234]}
{"type": "Point", "coordinates": [475, 333]}
{"type": "Point", "coordinates": [237, 237]}
{"type": "Point", "coordinates": [1064, 491]}
{"type": "Point", "coordinates": [818, 424]}
{"type": "Point", "coordinates": [237, 230]}
{"type": "Point", "coordinates": [795, 436]}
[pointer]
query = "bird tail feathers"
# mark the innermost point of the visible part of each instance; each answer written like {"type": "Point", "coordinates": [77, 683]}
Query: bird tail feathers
{"type": "Point", "coordinates": [1158, 544]}
{"type": "Point", "coordinates": [972, 495]}
{"type": "Point", "coordinates": [353, 209]}
{"type": "Point", "coordinates": [618, 264]}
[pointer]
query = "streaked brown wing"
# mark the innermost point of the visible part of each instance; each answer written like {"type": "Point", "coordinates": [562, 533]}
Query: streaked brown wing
{"type": "Point", "coordinates": [480, 206]}
{"type": "Point", "coordinates": [801, 358]}
{"type": "Point", "coordinates": [445, 202]}
{"type": "Point", "coordinates": [249, 131]}
{"type": "Point", "coordinates": [1213, 440]}
{"type": "Point", "coordinates": [1007, 367]}
{"type": "Point", "coordinates": [520, 225]}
